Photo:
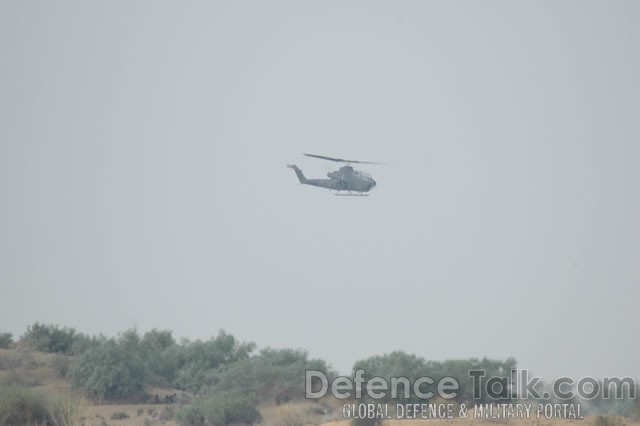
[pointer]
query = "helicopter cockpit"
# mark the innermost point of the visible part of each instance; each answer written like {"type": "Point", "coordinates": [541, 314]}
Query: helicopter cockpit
{"type": "Point", "coordinates": [362, 175]}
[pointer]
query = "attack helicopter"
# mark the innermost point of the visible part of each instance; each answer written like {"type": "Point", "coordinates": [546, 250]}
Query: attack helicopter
{"type": "Point", "coordinates": [346, 180]}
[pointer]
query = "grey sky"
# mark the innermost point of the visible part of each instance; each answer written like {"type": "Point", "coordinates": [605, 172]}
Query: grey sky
{"type": "Point", "coordinates": [143, 181]}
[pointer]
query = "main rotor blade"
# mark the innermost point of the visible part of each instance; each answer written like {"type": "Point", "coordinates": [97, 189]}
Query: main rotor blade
{"type": "Point", "coordinates": [341, 160]}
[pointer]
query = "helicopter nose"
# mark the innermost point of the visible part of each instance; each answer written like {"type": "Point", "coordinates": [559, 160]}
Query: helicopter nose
{"type": "Point", "coordinates": [373, 183]}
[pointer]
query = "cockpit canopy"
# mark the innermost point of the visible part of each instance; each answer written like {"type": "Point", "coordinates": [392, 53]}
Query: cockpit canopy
{"type": "Point", "coordinates": [363, 175]}
{"type": "Point", "coordinates": [348, 172]}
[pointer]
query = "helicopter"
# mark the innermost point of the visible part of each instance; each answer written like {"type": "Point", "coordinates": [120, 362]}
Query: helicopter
{"type": "Point", "coordinates": [346, 180]}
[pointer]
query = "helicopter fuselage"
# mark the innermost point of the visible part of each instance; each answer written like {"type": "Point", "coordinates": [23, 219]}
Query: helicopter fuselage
{"type": "Point", "coordinates": [344, 179]}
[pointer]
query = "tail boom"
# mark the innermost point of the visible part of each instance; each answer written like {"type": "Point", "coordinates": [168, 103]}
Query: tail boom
{"type": "Point", "coordinates": [299, 173]}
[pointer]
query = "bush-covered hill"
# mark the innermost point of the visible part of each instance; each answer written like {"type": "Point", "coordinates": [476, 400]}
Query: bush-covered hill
{"type": "Point", "coordinates": [56, 375]}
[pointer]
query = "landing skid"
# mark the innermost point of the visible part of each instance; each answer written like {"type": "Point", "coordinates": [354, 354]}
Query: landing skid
{"type": "Point", "coordinates": [351, 194]}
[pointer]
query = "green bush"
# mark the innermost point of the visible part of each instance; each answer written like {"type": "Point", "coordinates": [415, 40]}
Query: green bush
{"type": "Point", "coordinates": [158, 340]}
{"type": "Point", "coordinates": [83, 342]}
{"type": "Point", "coordinates": [19, 405]}
{"type": "Point", "coordinates": [49, 338]}
{"type": "Point", "coordinates": [6, 340]}
{"type": "Point", "coordinates": [62, 364]}
{"type": "Point", "coordinates": [197, 361]}
{"type": "Point", "coordinates": [220, 410]}
{"type": "Point", "coordinates": [168, 413]}
{"type": "Point", "coordinates": [22, 406]}
{"type": "Point", "coordinates": [111, 370]}
{"type": "Point", "coordinates": [401, 364]}
{"type": "Point", "coordinates": [63, 410]}
{"type": "Point", "coordinates": [191, 415]}
{"type": "Point", "coordinates": [119, 415]}
{"type": "Point", "coordinates": [276, 374]}
{"type": "Point", "coordinates": [116, 368]}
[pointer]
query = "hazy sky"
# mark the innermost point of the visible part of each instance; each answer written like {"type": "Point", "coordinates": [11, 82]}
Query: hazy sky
{"type": "Point", "coordinates": [143, 183]}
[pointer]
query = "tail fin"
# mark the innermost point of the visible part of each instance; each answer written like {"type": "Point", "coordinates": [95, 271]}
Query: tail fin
{"type": "Point", "coordinates": [301, 177]}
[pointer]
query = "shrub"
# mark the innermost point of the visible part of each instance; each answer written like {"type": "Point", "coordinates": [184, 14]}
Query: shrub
{"type": "Point", "coordinates": [63, 410]}
{"type": "Point", "coordinates": [220, 410]}
{"type": "Point", "coordinates": [62, 365]}
{"type": "Point", "coordinates": [190, 415]}
{"type": "Point", "coordinates": [270, 374]}
{"type": "Point", "coordinates": [168, 413]}
{"type": "Point", "coordinates": [49, 338]}
{"type": "Point", "coordinates": [119, 415]}
{"type": "Point", "coordinates": [83, 342]}
{"type": "Point", "coordinates": [111, 370]}
{"type": "Point", "coordinates": [401, 364]}
{"type": "Point", "coordinates": [158, 340]}
{"type": "Point", "coordinates": [198, 360]}
{"type": "Point", "coordinates": [21, 406]}
{"type": "Point", "coordinates": [238, 409]}
{"type": "Point", "coordinates": [6, 340]}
